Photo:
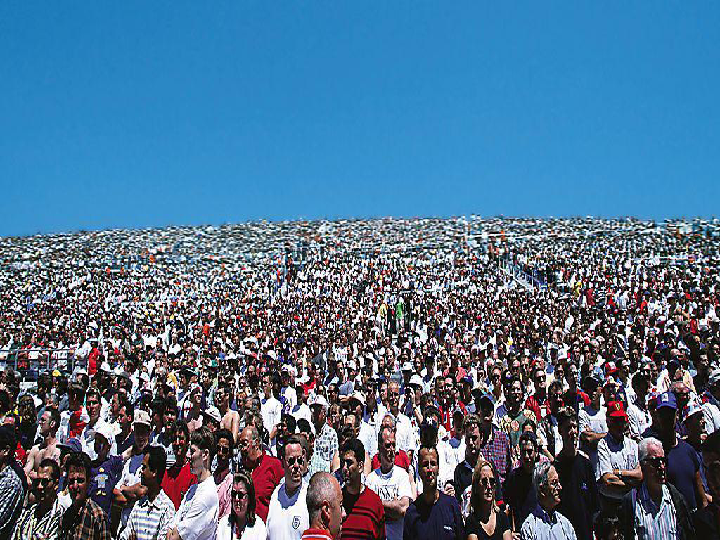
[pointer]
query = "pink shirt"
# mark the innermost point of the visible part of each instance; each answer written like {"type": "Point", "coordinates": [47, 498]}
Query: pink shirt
{"type": "Point", "coordinates": [224, 491]}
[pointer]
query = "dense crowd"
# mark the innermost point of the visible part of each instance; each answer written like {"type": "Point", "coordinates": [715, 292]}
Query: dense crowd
{"type": "Point", "coordinates": [417, 379]}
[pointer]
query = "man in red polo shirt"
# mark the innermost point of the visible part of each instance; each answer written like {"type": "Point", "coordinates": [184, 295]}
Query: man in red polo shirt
{"type": "Point", "coordinates": [365, 515]}
{"type": "Point", "coordinates": [267, 471]}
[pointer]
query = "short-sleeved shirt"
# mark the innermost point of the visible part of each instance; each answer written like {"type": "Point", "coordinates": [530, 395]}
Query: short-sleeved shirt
{"type": "Point", "coordinates": [519, 494]}
{"type": "Point", "coordinates": [287, 514]}
{"type": "Point", "coordinates": [439, 521]}
{"type": "Point", "coordinates": [103, 479]}
{"type": "Point", "coordinates": [682, 465]}
{"type": "Point", "coordinates": [391, 486]}
{"type": "Point", "coordinates": [266, 477]}
{"type": "Point", "coordinates": [364, 516]}
{"type": "Point", "coordinates": [579, 499]}
{"type": "Point", "coordinates": [177, 481]}
{"type": "Point", "coordinates": [197, 517]}
{"type": "Point", "coordinates": [613, 454]}
{"type": "Point", "coordinates": [595, 421]}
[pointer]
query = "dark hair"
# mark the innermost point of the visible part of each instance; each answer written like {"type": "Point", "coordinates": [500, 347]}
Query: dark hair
{"type": "Point", "coordinates": [157, 460]}
{"type": "Point", "coordinates": [92, 392]}
{"type": "Point", "coordinates": [204, 440]}
{"type": "Point", "coordinates": [605, 523]}
{"type": "Point", "coordinates": [181, 425]}
{"type": "Point", "coordinates": [565, 414]}
{"type": "Point", "coordinates": [242, 476]}
{"type": "Point", "coordinates": [225, 434]}
{"type": "Point", "coordinates": [303, 426]}
{"type": "Point", "coordinates": [293, 439]}
{"type": "Point", "coordinates": [712, 443]}
{"type": "Point", "coordinates": [428, 448]}
{"type": "Point", "coordinates": [55, 472]}
{"type": "Point", "coordinates": [54, 417]}
{"type": "Point", "coordinates": [8, 440]}
{"type": "Point", "coordinates": [79, 460]}
{"type": "Point", "coordinates": [355, 446]}
{"type": "Point", "coordinates": [528, 436]}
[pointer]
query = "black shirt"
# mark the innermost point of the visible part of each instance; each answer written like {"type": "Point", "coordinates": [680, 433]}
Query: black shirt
{"type": "Point", "coordinates": [439, 521]}
{"type": "Point", "coordinates": [472, 526]}
{"type": "Point", "coordinates": [579, 496]}
{"type": "Point", "coordinates": [519, 494]}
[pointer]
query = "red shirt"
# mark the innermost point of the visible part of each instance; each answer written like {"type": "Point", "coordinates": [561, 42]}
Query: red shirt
{"type": "Point", "coordinates": [316, 534]}
{"type": "Point", "coordinates": [266, 477]}
{"type": "Point", "coordinates": [365, 516]}
{"type": "Point", "coordinates": [177, 481]}
{"type": "Point", "coordinates": [401, 460]}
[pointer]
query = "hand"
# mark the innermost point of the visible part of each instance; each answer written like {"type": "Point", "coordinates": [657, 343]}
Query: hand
{"type": "Point", "coordinates": [449, 489]}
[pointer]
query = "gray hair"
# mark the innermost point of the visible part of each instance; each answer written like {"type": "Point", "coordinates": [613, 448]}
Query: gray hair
{"type": "Point", "coordinates": [383, 430]}
{"type": "Point", "coordinates": [540, 476]}
{"type": "Point", "coordinates": [321, 489]}
{"type": "Point", "coordinates": [645, 445]}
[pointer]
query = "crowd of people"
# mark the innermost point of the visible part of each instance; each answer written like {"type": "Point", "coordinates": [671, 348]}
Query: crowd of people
{"type": "Point", "coordinates": [401, 379]}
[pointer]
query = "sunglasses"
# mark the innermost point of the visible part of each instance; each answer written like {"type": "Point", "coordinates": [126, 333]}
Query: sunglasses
{"type": "Point", "coordinates": [656, 462]}
{"type": "Point", "coordinates": [293, 460]}
{"type": "Point", "coordinates": [487, 482]}
{"type": "Point", "coordinates": [239, 495]}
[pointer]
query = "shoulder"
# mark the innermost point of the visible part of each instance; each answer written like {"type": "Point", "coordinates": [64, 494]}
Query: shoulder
{"type": "Point", "coordinates": [447, 500]}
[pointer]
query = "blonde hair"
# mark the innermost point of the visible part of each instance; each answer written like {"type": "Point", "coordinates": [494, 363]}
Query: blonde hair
{"type": "Point", "coordinates": [477, 488]}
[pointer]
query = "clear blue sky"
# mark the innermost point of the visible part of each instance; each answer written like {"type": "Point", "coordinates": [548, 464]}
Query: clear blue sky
{"type": "Point", "coordinates": [153, 113]}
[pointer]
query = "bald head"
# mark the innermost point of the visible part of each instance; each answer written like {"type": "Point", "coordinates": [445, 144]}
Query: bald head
{"type": "Point", "coordinates": [324, 499]}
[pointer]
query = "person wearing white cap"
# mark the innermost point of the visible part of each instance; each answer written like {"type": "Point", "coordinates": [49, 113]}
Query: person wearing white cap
{"type": "Point", "coordinates": [129, 489]}
{"type": "Point", "coordinates": [105, 469]}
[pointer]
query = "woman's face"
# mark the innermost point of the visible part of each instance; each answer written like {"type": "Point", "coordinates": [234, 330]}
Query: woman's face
{"type": "Point", "coordinates": [239, 500]}
{"type": "Point", "coordinates": [487, 482]}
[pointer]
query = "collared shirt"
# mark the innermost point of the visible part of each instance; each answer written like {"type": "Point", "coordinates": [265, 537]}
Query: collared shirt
{"type": "Point", "coordinates": [11, 499]}
{"type": "Point", "coordinates": [652, 521]}
{"type": "Point", "coordinates": [48, 526]}
{"type": "Point", "coordinates": [326, 444]}
{"type": "Point", "coordinates": [613, 454]}
{"type": "Point", "coordinates": [542, 525]}
{"type": "Point", "coordinates": [89, 523]}
{"type": "Point", "coordinates": [150, 520]}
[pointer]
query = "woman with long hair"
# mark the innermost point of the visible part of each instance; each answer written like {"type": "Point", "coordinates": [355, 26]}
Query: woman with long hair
{"type": "Point", "coordinates": [241, 522]}
{"type": "Point", "coordinates": [486, 520]}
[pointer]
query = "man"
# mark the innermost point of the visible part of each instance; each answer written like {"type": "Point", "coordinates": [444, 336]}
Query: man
{"type": "Point", "coordinates": [84, 520]}
{"type": "Point", "coordinates": [222, 473]}
{"type": "Point", "coordinates": [12, 489]}
{"type": "Point", "coordinates": [152, 515]}
{"type": "Point", "coordinates": [178, 478]}
{"type": "Point", "coordinates": [462, 477]}
{"type": "Point", "coordinates": [683, 465]}
{"type": "Point", "coordinates": [433, 515]}
{"type": "Point", "coordinates": [579, 499]}
{"type": "Point", "coordinates": [364, 512]}
{"type": "Point", "coordinates": [105, 470]}
{"type": "Point", "coordinates": [288, 513]}
{"type": "Point", "coordinates": [392, 485]}
{"type": "Point", "coordinates": [549, 439]}
{"type": "Point", "coordinates": [495, 443]}
{"type": "Point", "coordinates": [125, 439]}
{"type": "Point", "coordinates": [403, 426]}
{"type": "Point", "coordinates": [593, 425]}
{"type": "Point", "coordinates": [655, 509]}
{"type": "Point", "coordinates": [266, 470]}
{"type": "Point", "coordinates": [618, 469]}
{"type": "Point", "coordinates": [48, 449]}
{"type": "Point", "coordinates": [196, 519]}
{"type": "Point", "coordinates": [638, 414]}
{"type": "Point", "coordinates": [324, 508]}
{"type": "Point", "coordinates": [230, 419]}
{"type": "Point", "coordinates": [545, 522]}
{"type": "Point", "coordinates": [93, 407]}
{"type": "Point", "coordinates": [271, 407]}
{"type": "Point", "coordinates": [129, 488]}
{"type": "Point", "coordinates": [512, 417]}
{"type": "Point", "coordinates": [705, 519]}
{"type": "Point", "coordinates": [42, 519]}
{"type": "Point", "coordinates": [517, 490]}
{"type": "Point", "coordinates": [326, 440]}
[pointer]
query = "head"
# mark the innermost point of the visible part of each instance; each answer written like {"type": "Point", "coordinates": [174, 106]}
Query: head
{"type": "Point", "coordinates": [528, 450]}
{"type": "Point", "coordinates": [568, 427]}
{"type": "Point", "coordinates": [386, 447]}
{"type": "Point", "coordinates": [711, 461]}
{"type": "Point", "coordinates": [324, 503]}
{"type": "Point", "coordinates": [8, 444]}
{"type": "Point", "coordinates": [49, 422]}
{"type": "Point", "coordinates": [153, 467]}
{"type": "Point", "coordinates": [225, 446]}
{"type": "Point", "coordinates": [250, 446]}
{"type": "Point", "coordinates": [202, 450]}
{"type": "Point", "coordinates": [652, 462]}
{"type": "Point", "coordinates": [473, 437]}
{"type": "Point", "coordinates": [46, 482]}
{"type": "Point", "coordinates": [243, 499]}
{"type": "Point", "coordinates": [428, 467]}
{"type": "Point", "coordinates": [102, 447]}
{"type": "Point", "coordinates": [92, 404]}
{"type": "Point", "coordinates": [546, 484]}
{"type": "Point", "coordinates": [352, 455]}
{"type": "Point", "coordinates": [293, 460]}
{"type": "Point", "coordinates": [181, 441]}
{"type": "Point", "coordinates": [77, 469]}
{"type": "Point", "coordinates": [483, 485]}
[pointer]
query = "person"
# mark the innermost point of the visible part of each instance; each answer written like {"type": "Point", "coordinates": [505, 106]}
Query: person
{"type": "Point", "coordinates": [364, 511]}
{"type": "Point", "coordinates": [323, 502]}
{"type": "Point", "coordinates": [222, 474]}
{"type": "Point", "coordinates": [179, 477]}
{"type": "Point", "coordinates": [84, 519]}
{"type": "Point", "coordinates": [592, 421]}
{"type": "Point", "coordinates": [12, 489]}
{"type": "Point", "coordinates": [579, 499]}
{"type": "Point", "coordinates": [618, 469]}
{"type": "Point", "coordinates": [518, 492]}
{"type": "Point", "coordinates": [545, 522]}
{"type": "Point", "coordinates": [655, 509]}
{"type": "Point", "coordinates": [495, 444]}
{"type": "Point", "coordinates": [486, 521]}
{"type": "Point", "coordinates": [242, 523]}
{"type": "Point", "coordinates": [288, 513]}
{"type": "Point", "coordinates": [105, 470]}
{"type": "Point", "coordinates": [42, 519]}
{"type": "Point", "coordinates": [49, 424]}
{"type": "Point", "coordinates": [153, 513]}
{"type": "Point", "coordinates": [326, 439]}
{"type": "Point", "coordinates": [196, 519]}
{"type": "Point", "coordinates": [266, 470]}
{"type": "Point", "coordinates": [433, 515]}
{"type": "Point", "coordinates": [462, 476]}
{"type": "Point", "coordinates": [705, 520]}
{"type": "Point", "coordinates": [392, 485]}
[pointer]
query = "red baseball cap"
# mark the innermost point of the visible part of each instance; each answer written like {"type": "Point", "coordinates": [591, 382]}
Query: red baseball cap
{"type": "Point", "coordinates": [615, 409]}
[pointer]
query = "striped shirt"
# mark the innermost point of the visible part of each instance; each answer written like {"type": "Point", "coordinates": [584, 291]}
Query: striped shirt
{"type": "Point", "coordinates": [150, 520]}
{"type": "Point", "coordinates": [653, 522]}
{"type": "Point", "coordinates": [47, 526]}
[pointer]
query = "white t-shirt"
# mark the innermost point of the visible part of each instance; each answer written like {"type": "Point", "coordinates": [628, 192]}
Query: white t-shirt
{"type": "Point", "coordinates": [287, 515]}
{"type": "Point", "coordinates": [389, 487]}
{"type": "Point", "coordinates": [197, 517]}
{"type": "Point", "coordinates": [256, 532]}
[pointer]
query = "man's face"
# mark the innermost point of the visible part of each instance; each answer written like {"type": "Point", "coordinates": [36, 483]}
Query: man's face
{"type": "Point", "coordinates": [616, 426]}
{"type": "Point", "coordinates": [46, 489]}
{"type": "Point", "coordinates": [569, 433]}
{"type": "Point", "coordinates": [528, 454]}
{"type": "Point", "coordinates": [142, 435]}
{"type": "Point", "coordinates": [223, 450]}
{"type": "Point", "coordinates": [294, 464]}
{"type": "Point", "coordinates": [553, 488]}
{"type": "Point", "coordinates": [351, 469]}
{"type": "Point", "coordinates": [654, 466]}
{"type": "Point", "coordinates": [77, 485]}
{"type": "Point", "coordinates": [428, 466]}
{"type": "Point", "coordinates": [45, 426]}
{"type": "Point", "coordinates": [666, 420]}
{"type": "Point", "coordinates": [515, 395]}
{"type": "Point", "coordinates": [387, 448]}
{"type": "Point", "coordinates": [180, 446]}
{"type": "Point", "coordinates": [147, 476]}
{"type": "Point", "coordinates": [473, 441]}
{"type": "Point", "coordinates": [393, 396]}
{"type": "Point", "coordinates": [197, 459]}
{"type": "Point", "coordinates": [92, 404]}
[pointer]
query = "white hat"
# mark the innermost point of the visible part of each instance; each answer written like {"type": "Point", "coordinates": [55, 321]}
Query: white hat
{"type": "Point", "coordinates": [317, 399]}
{"type": "Point", "coordinates": [214, 413]}
{"type": "Point", "coordinates": [416, 380]}
{"type": "Point", "coordinates": [358, 396]}
{"type": "Point", "coordinates": [106, 430]}
{"type": "Point", "coordinates": [694, 406]}
{"type": "Point", "coordinates": [141, 417]}
{"type": "Point", "coordinates": [407, 366]}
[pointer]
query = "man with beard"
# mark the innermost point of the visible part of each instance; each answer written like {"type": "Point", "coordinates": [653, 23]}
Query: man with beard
{"type": "Point", "coordinates": [287, 513]}
{"type": "Point", "coordinates": [42, 519]}
{"type": "Point", "coordinates": [178, 478]}
{"type": "Point", "coordinates": [365, 515]}
{"type": "Point", "coordinates": [433, 515]}
{"type": "Point", "coordinates": [84, 520]}
{"type": "Point", "coordinates": [579, 499]}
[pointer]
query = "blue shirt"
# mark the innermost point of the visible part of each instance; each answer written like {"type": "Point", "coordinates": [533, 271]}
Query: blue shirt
{"type": "Point", "coordinates": [439, 521]}
{"type": "Point", "coordinates": [542, 525]}
{"type": "Point", "coordinates": [682, 464]}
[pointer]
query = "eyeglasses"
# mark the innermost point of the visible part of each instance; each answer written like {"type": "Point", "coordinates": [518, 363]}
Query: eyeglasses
{"type": "Point", "coordinates": [487, 482]}
{"type": "Point", "coordinates": [656, 462]}
{"type": "Point", "coordinates": [239, 495]}
{"type": "Point", "coordinates": [295, 459]}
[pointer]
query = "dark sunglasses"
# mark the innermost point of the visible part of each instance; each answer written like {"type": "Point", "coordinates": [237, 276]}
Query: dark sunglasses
{"type": "Point", "coordinates": [487, 482]}
{"type": "Point", "coordinates": [239, 495]}
{"type": "Point", "coordinates": [656, 462]}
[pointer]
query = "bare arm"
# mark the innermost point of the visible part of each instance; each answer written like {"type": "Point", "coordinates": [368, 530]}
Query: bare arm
{"type": "Point", "coordinates": [396, 509]}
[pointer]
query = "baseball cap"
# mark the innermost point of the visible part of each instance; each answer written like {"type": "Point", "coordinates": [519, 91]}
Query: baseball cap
{"type": "Point", "coordinates": [694, 406]}
{"type": "Point", "coordinates": [416, 380]}
{"type": "Point", "coordinates": [407, 366]}
{"type": "Point", "coordinates": [106, 431]}
{"type": "Point", "coordinates": [610, 368]}
{"type": "Point", "coordinates": [714, 377]}
{"type": "Point", "coordinates": [358, 396]}
{"type": "Point", "coordinates": [141, 417]}
{"type": "Point", "coordinates": [616, 410]}
{"type": "Point", "coordinates": [72, 445]}
{"type": "Point", "coordinates": [666, 399]}
{"type": "Point", "coordinates": [317, 399]}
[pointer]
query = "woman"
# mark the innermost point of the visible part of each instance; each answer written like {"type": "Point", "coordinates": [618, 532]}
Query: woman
{"type": "Point", "coordinates": [485, 519]}
{"type": "Point", "coordinates": [242, 522]}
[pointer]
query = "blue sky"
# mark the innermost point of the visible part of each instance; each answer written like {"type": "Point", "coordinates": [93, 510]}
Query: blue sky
{"type": "Point", "coordinates": [154, 113]}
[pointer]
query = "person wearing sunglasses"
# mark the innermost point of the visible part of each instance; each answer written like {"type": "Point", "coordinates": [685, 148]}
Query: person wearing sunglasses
{"type": "Point", "coordinates": [545, 522]}
{"type": "Point", "coordinates": [242, 522]}
{"type": "Point", "coordinates": [43, 517]}
{"type": "Point", "coordinates": [486, 520]}
{"type": "Point", "coordinates": [288, 512]}
{"type": "Point", "coordinates": [655, 509]}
